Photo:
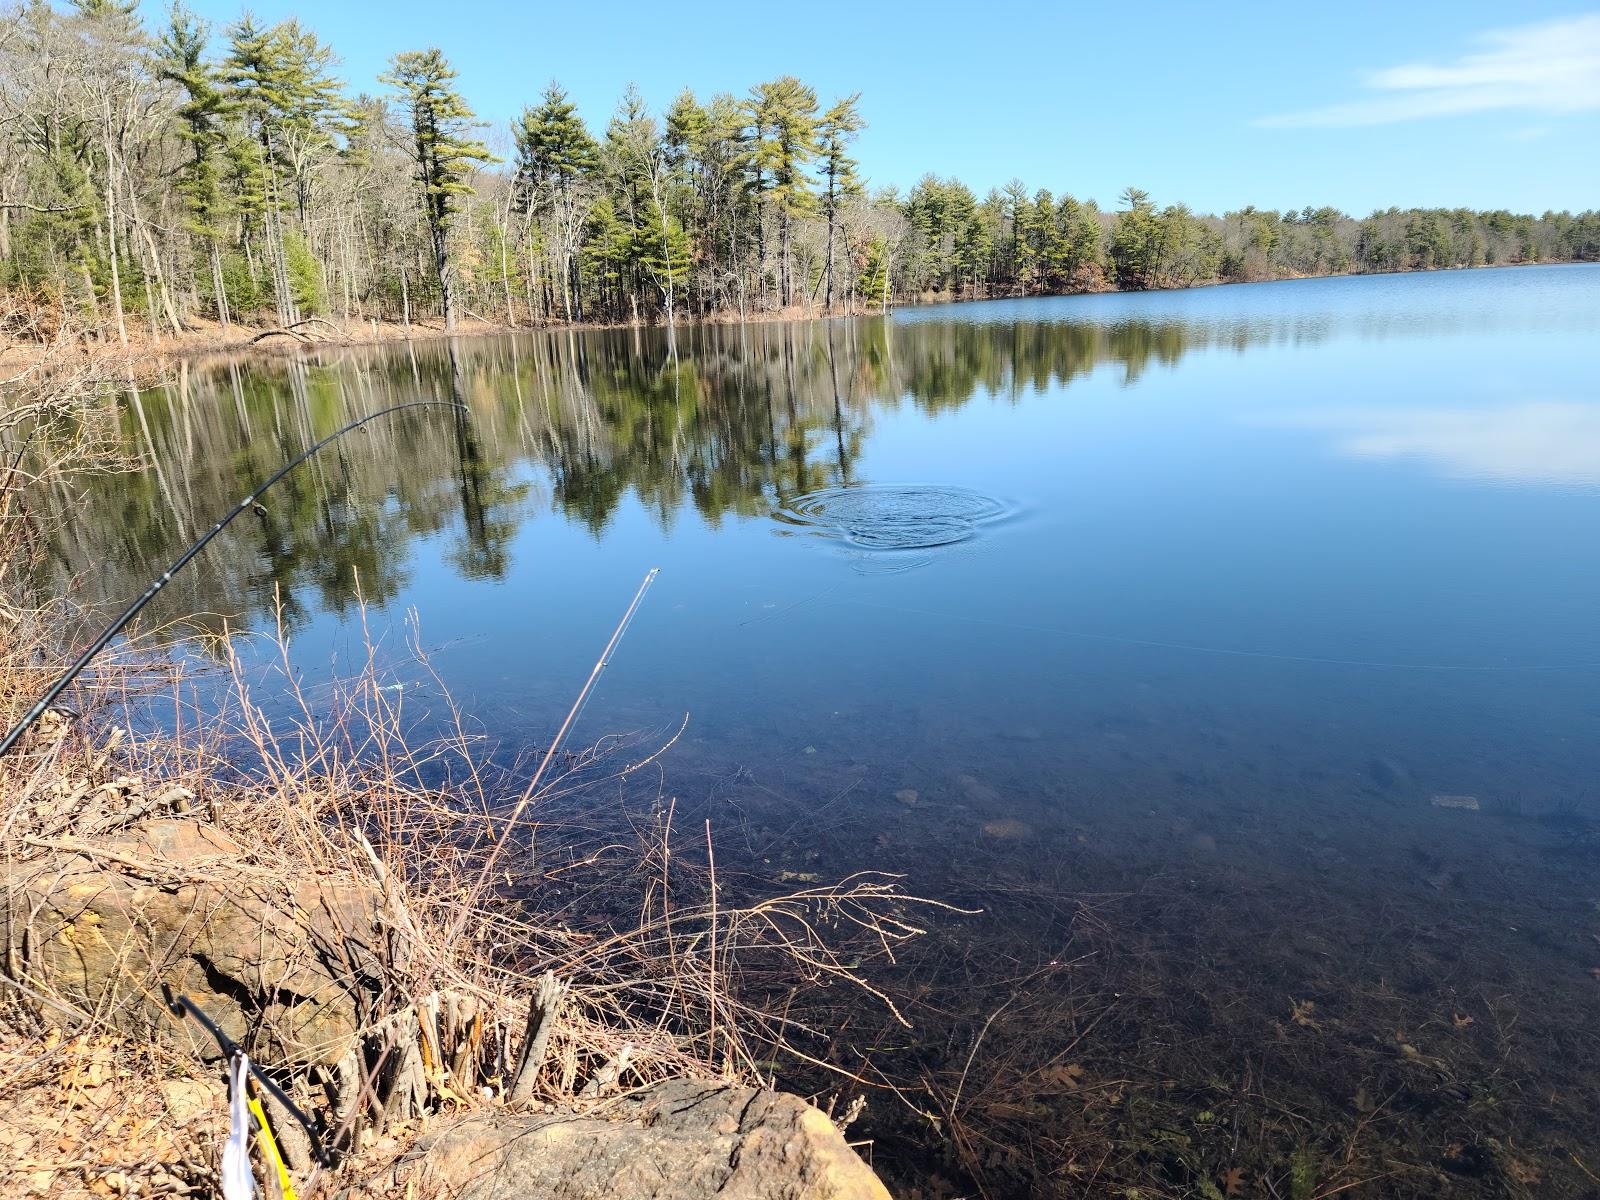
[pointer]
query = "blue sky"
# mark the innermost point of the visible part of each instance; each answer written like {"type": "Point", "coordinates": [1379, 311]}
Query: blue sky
{"type": "Point", "coordinates": [1359, 105]}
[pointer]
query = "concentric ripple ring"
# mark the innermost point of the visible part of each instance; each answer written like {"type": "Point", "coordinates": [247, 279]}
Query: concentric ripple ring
{"type": "Point", "coordinates": [893, 516]}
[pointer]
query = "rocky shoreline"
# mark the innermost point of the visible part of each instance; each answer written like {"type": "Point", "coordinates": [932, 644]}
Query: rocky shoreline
{"type": "Point", "coordinates": [127, 879]}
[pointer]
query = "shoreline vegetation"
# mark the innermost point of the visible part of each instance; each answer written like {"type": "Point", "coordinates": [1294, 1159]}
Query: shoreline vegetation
{"type": "Point", "coordinates": [406, 939]}
{"type": "Point", "coordinates": [171, 183]}
{"type": "Point", "coordinates": [145, 360]}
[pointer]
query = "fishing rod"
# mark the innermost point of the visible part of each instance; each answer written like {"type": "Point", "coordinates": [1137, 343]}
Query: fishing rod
{"type": "Point", "coordinates": [182, 1006]}
{"type": "Point", "coordinates": [183, 560]}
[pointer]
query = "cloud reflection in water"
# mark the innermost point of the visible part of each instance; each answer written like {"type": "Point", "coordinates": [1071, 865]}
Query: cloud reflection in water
{"type": "Point", "coordinates": [1549, 443]}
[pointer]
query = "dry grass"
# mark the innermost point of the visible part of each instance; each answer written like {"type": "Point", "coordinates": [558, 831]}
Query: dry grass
{"type": "Point", "coordinates": [585, 897]}
{"type": "Point", "coordinates": [651, 973]}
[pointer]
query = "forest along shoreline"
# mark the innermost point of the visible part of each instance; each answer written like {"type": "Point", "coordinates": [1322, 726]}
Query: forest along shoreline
{"type": "Point", "coordinates": [170, 172]}
{"type": "Point", "coordinates": [144, 359]}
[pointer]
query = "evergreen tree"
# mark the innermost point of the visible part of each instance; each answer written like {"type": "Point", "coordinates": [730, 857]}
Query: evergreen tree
{"type": "Point", "coordinates": [633, 160]}
{"type": "Point", "coordinates": [443, 151]}
{"type": "Point", "coordinates": [311, 112]}
{"type": "Point", "coordinates": [1076, 250]}
{"type": "Point", "coordinates": [1136, 241]}
{"type": "Point", "coordinates": [1019, 259]}
{"type": "Point", "coordinates": [840, 126]}
{"type": "Point", "coordinates": [664, 251]}
{"type": "Point", "coordinates": [685, 143]}
{"type": "Point", "coordinates": [874, 274]}
{"type": "Point", "coordinates": [783, 122]}
{"type": "Point", "coordinates": [202, 115]}
{"type": "Point", "coordinates": [553, 153]}
{"type": "Point", "coordinates": [130, 160]}
{"type": "Point", "coordinates": [256, 72]}
{"type": "Point", "coordinates": [733, 220]}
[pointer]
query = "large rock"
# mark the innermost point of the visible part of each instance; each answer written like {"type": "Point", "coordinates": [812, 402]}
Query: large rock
{"type": "Point", "coordinates": [278, 959]}
{"type": "Point", "coordinates": [680, 1140]}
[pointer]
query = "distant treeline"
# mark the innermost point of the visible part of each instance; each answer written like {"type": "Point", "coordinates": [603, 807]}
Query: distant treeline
{"type": "Point", "coordinates": [156, 175]}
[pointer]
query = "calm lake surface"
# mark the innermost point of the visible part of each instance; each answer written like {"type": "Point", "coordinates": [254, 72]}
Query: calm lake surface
{"type": "Point", "coordinates": [1194, 601]}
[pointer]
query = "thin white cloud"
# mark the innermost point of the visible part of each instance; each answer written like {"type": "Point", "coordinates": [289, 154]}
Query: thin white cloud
{"type": "Point", "coordinates": [1549, 67]}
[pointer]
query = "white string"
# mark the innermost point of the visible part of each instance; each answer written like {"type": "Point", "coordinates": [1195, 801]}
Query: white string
{"type": "Point", "coordinates": [238, 1183]}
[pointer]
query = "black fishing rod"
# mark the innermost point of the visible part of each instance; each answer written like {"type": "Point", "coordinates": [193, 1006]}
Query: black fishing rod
{"type": "Point", "coordinates": [182, 1006]}
{"type": "Point", "coordinates": [116, 627]}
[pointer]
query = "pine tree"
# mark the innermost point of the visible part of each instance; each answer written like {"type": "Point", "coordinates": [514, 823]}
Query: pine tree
{"type": "Point", "coordinates": [733, 221]}
{"type": "Point", "coordinates": [443, 151]}
{"type": "Point", "coordinates": [312, 111]}
{"type": "Point", "coordinates": [256, 74]}
{"type": "Point", "coordinates": [1080, 243]}
{"type": "Point", "coordinates": [664, 251]}
{"type": "Point", "coordinates": [840, 126]}
{"type": "Point", "coordinates": [783, 120]}
{"type": "Point", "coordinates": [201, 115]}
{"type": "Point", "coordinates": [1135, 241]}
{"type": "Point", "coordinates": [554, 152]}
{"type": "Point", "coordinates": [1015, 198]}
{"type": "Point", "coordinates": [637, 160]}
{"type": "Point", "coordinates": [631, 161]}
{"type": "Point", "coordinates": [553, 146]}
{"type": "Point", "coordinates": [688, 126]}
{"type": "Point", "coordinates": [607, 248]}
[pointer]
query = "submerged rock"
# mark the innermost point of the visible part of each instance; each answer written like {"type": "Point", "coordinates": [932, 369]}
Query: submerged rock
{"type": "Point", "coordinates": [1469, 803]}
{"type": "Point", "coordinates": [907, 796]}
{"type": "Point", "coordinates": [679, 1140]}
{"type": "Point", "coordinates": [977, 791]}
{"type": "Point", "coordinates": [1387, 775]}
{"type": "Point", "coordinates": [1024, 733]}
{"type": "Point", "coordinates": [1007, 829]}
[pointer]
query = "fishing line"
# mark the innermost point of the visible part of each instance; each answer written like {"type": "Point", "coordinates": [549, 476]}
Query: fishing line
{"type": "Point", "coordinates": [578, 705]}
{"type": "Point", "coordinates": [611, 646]}
{"type": "Point", "coordinates": [789, 608]}
{"type": "Point", "coordinates": [1218, 650]}
{"type": "Point", "coordinates": [183, 560]}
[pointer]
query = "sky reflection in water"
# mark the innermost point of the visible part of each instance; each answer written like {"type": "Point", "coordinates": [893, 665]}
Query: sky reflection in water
{"type": "Point", "coordinates": [1283, 529]}
{"type": "Point", "coordinates": [1173, 609]}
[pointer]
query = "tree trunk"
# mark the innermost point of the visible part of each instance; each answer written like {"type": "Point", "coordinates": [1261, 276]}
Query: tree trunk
{"type": "Point", "coordinates": [441, 267]}
{"type": "Point", "coordinates": [505, 272]}
{"type": "Point", "coordinates": [783, 257]}
{"type": "Point", "coordinates": [282, 293]}
{"type": "Point", "coordinates": [150, 310]}
{"type": "Point", "coordinates": [218, 289]}
{"type": "Point", "coordinates": [111, 232]}
{"type": "Point", "coordinates": [827, 304]}
{"type": "Point", "coordinates": [162, 290]}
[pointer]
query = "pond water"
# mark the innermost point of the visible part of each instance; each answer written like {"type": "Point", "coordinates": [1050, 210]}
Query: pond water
{"type": "Point", "coordinates": [1176, 611]}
